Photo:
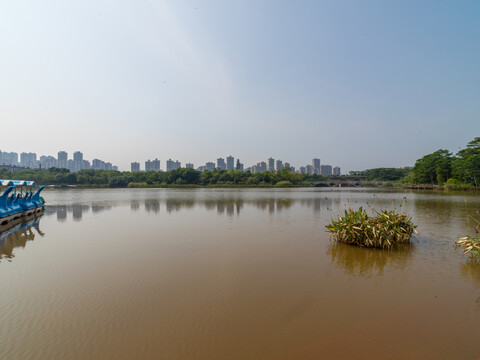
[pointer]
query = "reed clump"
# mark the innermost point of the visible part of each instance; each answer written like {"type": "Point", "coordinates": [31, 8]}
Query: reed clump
{"type": "Point", "coordinates": [384, 230]}
{"type": "Point", "coordinates": [471, 245]}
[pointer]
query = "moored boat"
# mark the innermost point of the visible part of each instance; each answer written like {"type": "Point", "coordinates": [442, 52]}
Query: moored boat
{"type": "Point", "coordinates": [22, 201]}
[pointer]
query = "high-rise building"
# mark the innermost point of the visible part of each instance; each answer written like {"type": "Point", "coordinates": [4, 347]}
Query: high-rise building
{"type": "Point", "coordinates": [279, 164]}
{"type": "Point", "coordinates": [152, 165]}
{"type": "Point", "coordinates": [170, 164]}
{"type": "Point", "coordinates": [221, 164]}
{"type": "Point", "coordinates": [108, 166]}
{"type": "Point", "coordinates": [230, 163]}
{"type": "Point", "coordinates": [260, 167]}
{"type": "Point", "coordinates": [336, 171]}
{"type": "Point", "coordinates": [77, 156]}
{"type": "Point", "coordinates": [173, 165]}
{"type": "Point", "coordinates": [8, 158]}
{"type": "Point", "coordinates": [210, 166]}
{"type": "Point", "coordinates": [309, 169]}
{"type": "Point", "coordinates": [326, 170]}
{"type": "Point", "coordinates": [271, 164]}
{"type": "Point", "coordinates": [47, 162]}
{"type": "Point", "coordinates": [302, 170]}
{"type": "Point", "coordinates": [85, 164]}
{"type": "Point", "coordinates": [28, 160]}
{"type": "Point", "coordinates": [134, 167]}
{"type": "Point", "coordinates": [70, 165]}
{"type": "Point", "coordinates": [98, 164]}
{"type": "Point", "coordinates": [189, 166]}
{"type": "Point", "coordinates": [316, 166]}
{"type": "Point", "coordinates": [62, 159]}
{"type": "Point", "coordinates": [77, 161]}
{"type": "Point", "coordinates": [239, 165]}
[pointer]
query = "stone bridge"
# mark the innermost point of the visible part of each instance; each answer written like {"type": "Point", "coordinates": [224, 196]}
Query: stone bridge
{"type": "Point", "coordinates": [345, 181]}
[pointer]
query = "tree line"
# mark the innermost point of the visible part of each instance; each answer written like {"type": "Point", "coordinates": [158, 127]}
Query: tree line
{"type": "Point", "coordinates": [181, 176]}
{"type": "Point", "coordinates": [438, 168]}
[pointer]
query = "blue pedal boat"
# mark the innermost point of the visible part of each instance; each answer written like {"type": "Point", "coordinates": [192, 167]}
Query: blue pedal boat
{"type": "Point", "coordinates": [17, 201]}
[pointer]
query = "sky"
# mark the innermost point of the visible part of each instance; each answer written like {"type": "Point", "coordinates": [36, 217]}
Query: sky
{"type": "Point", "coordinates": [358, 84]}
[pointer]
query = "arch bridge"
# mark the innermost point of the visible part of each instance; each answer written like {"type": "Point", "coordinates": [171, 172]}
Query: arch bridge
{"type": "Point", "coordinates": [346, 181]}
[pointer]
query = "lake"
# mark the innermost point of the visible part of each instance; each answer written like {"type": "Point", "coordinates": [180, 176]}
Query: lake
{"type": "Point", "coordinates": [236, 274]}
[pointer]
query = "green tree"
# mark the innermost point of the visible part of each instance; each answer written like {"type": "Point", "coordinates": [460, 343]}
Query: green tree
{"type": "Point", "coordinates": [467, 164]}
{"type": "Point", "coordinates": [385, 174]}
{"type": "Point", "coordinates": [435, 168]}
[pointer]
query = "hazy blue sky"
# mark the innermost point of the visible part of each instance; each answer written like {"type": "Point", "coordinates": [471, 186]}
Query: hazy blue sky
{"type": "Point", "coordinates": [359, 84]}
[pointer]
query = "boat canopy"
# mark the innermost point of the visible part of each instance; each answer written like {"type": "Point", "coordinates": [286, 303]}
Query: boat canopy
{"type": "Point", "coordinates": [6, 183]}
{"type": "Point", "coordinates": [17, 183]}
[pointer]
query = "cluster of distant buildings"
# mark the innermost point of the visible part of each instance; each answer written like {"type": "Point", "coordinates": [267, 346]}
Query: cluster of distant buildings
{"type": "Point", "coordinates": [271, 165]}
{"type": "Point", "coordinates": [77, 163]}
{"type": "Point", "coordinates": [154, 165]}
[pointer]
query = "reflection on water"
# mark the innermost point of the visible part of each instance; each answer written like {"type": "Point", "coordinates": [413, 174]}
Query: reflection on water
{"type": "Point", "coordinates": [471, 270]}
{"type": "Point", "coordinates": [18, 235]}
{"type": "Point", "coordinates": [366, 262]}
{"type": "Point", "coordinates": [228, 206]}
{"type": "Point", "coordinates": [235, 274]}
{"type": "Point", "coordinates": [77, 211]}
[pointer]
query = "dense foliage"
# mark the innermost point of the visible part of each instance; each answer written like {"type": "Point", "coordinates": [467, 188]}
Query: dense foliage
{"type": "Point", "coordinates": [441, 167]}
{"type": "Point", "coordinates": [435, 168]}
{"type": "Point", "coordinates": [383, 174]}
{"type": "Point", "coordinates": [57, 176]}
{"type": "Point", "coordinates": [182, 176]}
{"type": "Point", "coordinates": [438, 168]}
{"type": "Point", "coordinates": [384, 230]}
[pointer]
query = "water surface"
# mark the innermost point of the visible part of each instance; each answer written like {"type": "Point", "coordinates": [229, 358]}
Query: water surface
{"type": "Point", "coordinates": [235, 274]}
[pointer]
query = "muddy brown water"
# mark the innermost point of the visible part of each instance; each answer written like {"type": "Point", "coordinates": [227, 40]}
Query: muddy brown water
{"type": "Point", "coordinates": [235, 274]}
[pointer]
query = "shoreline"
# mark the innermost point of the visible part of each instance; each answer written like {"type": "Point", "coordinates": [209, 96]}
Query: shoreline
{"type": "Point", "coordinates": [422, 188]}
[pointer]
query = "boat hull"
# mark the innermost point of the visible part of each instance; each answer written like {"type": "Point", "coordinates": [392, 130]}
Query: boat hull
{"type": "Point", "coordinates": [7, 219]}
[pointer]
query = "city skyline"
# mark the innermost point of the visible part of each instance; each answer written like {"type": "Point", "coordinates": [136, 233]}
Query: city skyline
{"type": "Point", "coordinates": [77, 163]}
{"type": "Point", "coordinates": [364, 84]}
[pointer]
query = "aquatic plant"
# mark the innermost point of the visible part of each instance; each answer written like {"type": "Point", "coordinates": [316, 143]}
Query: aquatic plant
{"type": "Point", "coordinates": [471, 245]}
{"type": "Point", "coordinates": [384, 230]}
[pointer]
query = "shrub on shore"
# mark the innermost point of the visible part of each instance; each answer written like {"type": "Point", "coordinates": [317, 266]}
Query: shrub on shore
{"type": "Point", "coordinates": [283, 184]}
{"type": "Point", "coordinates": [384, 230]}
{"type": "Point", "coordinates": [454, 184]}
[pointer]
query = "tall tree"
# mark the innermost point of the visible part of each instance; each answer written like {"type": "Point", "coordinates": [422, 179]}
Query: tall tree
{"type": "Point", "coordinates": [435, 168]}
{"type": "Point", "coordinates": [467, 164]}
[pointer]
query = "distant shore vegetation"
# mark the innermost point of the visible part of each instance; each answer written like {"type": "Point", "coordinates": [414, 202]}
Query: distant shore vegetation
{"type": "Point", "coordinates": [440, 169]}
{"type": "Point", "coordinates": [183, 177]}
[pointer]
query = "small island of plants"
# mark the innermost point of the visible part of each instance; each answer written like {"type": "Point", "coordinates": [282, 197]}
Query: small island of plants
{"type": "Point", "coordinates": [471, 245]}
{"type": "Point", "coordinates": [384, 230]}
